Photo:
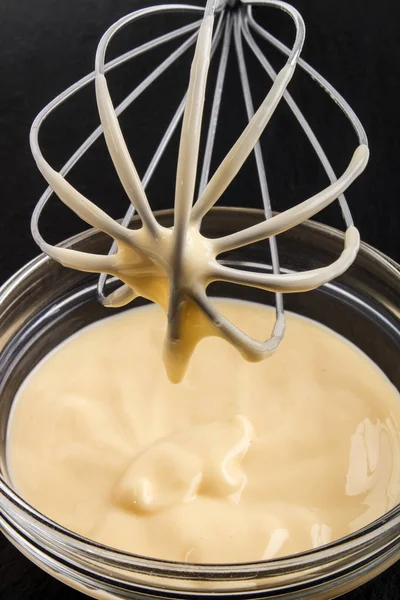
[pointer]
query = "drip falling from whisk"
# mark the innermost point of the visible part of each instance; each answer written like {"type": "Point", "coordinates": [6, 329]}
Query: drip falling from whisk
{"type": "Point", "coordinates": [174, 266]}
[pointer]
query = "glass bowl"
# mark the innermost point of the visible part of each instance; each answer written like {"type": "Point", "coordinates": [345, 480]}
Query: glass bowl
{"type": "Point", "coordinates": [44, 303]}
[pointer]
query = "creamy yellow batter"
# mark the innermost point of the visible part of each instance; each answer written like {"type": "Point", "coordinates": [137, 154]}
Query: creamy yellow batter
{"type": "Point", "coordinates": [241, 461]}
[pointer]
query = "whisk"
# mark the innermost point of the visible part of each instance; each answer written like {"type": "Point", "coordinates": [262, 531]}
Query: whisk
{"type": "Point", "coordinates": [173, 267]}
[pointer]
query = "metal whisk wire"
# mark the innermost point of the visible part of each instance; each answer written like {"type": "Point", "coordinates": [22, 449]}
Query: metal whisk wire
{"type": "Point", "coordinates": [235, 22]}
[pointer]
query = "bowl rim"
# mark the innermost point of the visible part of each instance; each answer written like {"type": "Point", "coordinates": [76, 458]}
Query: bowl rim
{"type": "Point", "coordinates": [364, 537]}
{"type": "Point", "coordinates": [371, 251]}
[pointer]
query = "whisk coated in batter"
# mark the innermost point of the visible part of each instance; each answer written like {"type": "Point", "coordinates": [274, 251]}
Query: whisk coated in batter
{"type": "Point", "coordinates": [173, 267]}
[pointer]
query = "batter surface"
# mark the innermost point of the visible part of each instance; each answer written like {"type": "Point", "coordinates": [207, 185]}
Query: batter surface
{"type": "Point", "coordinates": [239, 462]}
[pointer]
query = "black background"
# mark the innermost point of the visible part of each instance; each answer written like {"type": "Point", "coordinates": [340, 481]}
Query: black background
{"type": "Point", "coordinates": [46, 45]}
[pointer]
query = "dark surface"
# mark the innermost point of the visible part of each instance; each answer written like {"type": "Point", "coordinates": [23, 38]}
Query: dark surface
{"type": "Point", "coordinates": [46, 45]}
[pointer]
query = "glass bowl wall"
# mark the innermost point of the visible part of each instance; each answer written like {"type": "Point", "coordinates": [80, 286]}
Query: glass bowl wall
{"type": "Point", "coordinates": [44, 303]}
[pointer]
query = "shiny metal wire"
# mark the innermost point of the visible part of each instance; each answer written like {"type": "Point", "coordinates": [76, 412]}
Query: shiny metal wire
{"type": "Point", "coordinates": [236, 27]}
